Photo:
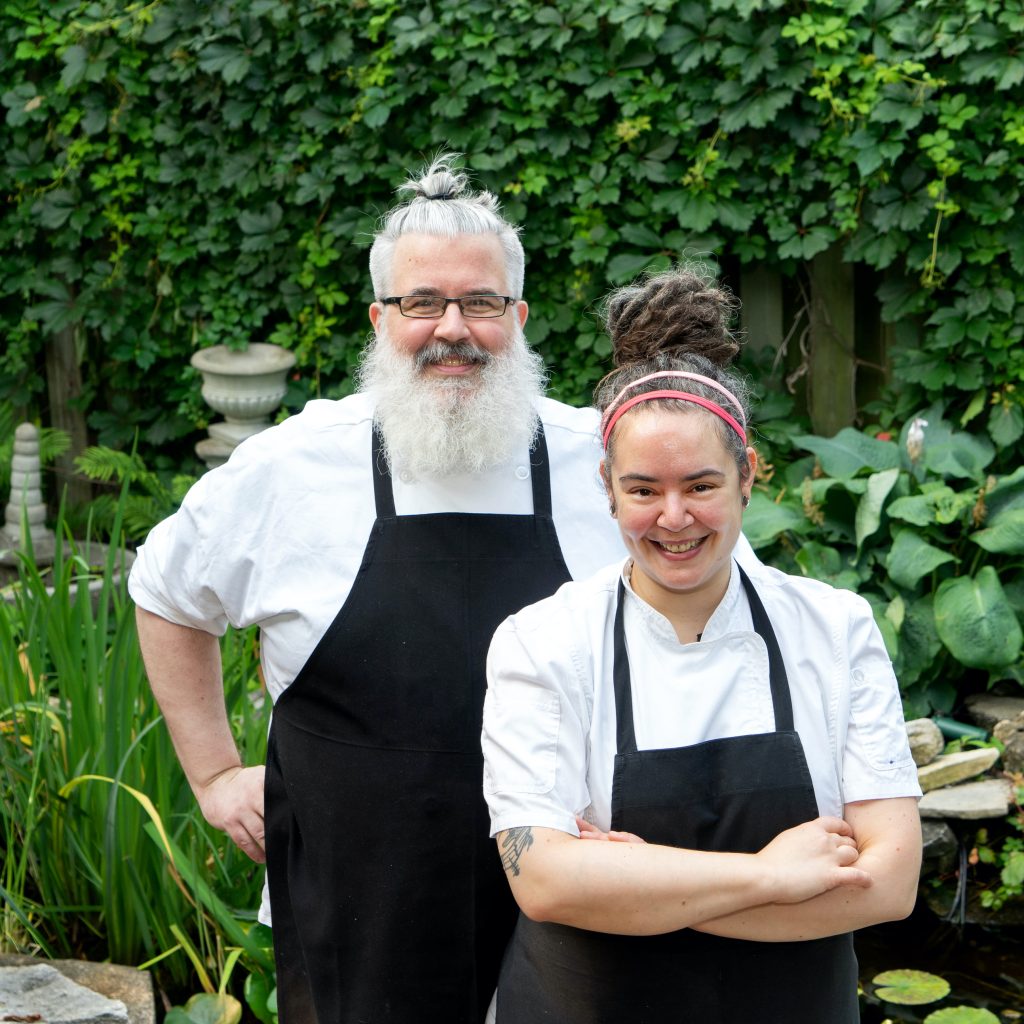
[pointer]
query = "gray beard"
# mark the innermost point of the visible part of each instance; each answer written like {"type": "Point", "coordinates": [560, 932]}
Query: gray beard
{"type": "Point", "coordinates": [443, 426]}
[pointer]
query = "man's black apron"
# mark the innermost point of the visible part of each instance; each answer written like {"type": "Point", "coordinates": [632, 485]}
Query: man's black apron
{"type": "Point", "coordinates": [388, 898]}
{"type": "Point", "coordinates": [733, 794]}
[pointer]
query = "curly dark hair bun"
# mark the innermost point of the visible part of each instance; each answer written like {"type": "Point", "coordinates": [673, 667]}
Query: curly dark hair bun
{"type": "Point", "coordinates": [680, 312]}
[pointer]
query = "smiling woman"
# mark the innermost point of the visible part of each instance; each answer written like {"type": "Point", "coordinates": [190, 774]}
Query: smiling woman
{"type": "Point", "coordinates": [732, 736]}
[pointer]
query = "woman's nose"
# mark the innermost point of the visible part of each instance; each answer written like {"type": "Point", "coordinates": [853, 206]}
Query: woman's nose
{"type": "Point", "coordinates": [675, 514]}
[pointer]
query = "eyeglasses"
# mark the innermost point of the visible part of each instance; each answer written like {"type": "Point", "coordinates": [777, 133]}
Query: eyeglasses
{"type": "Point", "coordinates": [433, 307]}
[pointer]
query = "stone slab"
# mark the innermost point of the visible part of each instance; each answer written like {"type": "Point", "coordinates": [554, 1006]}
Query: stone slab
{"type": "Point", "coordinates": [988, 709]}
{"type": "Point", "coordinates": [132, 987]}
{"type": "Point", "coordinates": [971, 801]}
{"type": "Point", "coordinates": [948, 769]}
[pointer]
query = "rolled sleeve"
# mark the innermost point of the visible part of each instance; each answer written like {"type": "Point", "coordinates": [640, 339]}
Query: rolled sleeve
{"type": "Point", "coordinates": [534, 741]}
{"type": "Point", "coordinates": [878, 762]}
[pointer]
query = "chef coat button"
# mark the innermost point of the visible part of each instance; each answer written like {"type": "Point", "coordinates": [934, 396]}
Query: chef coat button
{"type": "Point", "coordinates": [522, 472]}
{"type": "Point", "coordinates": [405, 476]}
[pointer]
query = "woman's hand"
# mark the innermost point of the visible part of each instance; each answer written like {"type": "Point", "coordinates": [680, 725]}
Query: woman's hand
{"type": "Point", "coordinates": [233, 802]}
{"type": "Point", "coordinates": [589, 831]}
{"type": "Point", "coordinates": [813, 858]}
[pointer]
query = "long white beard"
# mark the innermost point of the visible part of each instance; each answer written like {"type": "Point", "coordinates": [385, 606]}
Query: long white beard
{"type": "Point", "coordinates": [439, 426]}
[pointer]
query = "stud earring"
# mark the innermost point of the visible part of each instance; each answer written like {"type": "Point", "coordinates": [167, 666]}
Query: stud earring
{"type": "Point", "coordinates": [745, 500]}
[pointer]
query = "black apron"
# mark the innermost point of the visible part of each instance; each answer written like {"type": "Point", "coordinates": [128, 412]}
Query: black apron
{"type": "Point", "coordinates": [734, 794]}
{"type": "Point", "coordinates": [388, 898]}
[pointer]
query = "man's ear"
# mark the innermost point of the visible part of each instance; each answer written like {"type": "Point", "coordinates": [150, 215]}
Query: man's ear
{"type": "Point", "coordinates": [376, 311]}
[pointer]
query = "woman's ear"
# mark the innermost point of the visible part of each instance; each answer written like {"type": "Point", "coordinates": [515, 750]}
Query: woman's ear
{"type": "Point", "coordinates": [747, 484]}
{"type": "Point", "coordinates": [602, 469]}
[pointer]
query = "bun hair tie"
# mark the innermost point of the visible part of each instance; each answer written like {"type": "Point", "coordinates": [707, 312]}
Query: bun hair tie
{"type": "Point", "coordinates": [440, 195]}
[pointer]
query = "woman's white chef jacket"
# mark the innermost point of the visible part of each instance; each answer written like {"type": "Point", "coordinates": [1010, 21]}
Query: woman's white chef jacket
{"type": "Point", "coordinates": [549, 714]}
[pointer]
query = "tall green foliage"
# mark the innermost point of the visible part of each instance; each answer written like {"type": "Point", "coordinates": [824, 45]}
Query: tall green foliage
{"type": "Point", "coordinates": [199, 171]}
{"type": "Point", "coordinates": [103, 853]}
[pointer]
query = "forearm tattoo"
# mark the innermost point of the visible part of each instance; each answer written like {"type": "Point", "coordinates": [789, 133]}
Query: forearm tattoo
{"type": "Point", "coordinates": [514, 843]}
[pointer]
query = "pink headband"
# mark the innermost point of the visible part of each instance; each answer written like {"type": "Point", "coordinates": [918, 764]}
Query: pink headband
{"type": "Point", "coordinates": [681, 396]}
{"type": "Point", "coordinates": [676, 373]}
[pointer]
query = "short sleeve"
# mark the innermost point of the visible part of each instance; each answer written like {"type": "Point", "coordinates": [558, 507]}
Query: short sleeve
{"type": "Point", "coordinates": [534, 739]}
{"type": "Point", "coordinates": [173, 574]}
{"type": "Point", "coordinates": [877, 761]}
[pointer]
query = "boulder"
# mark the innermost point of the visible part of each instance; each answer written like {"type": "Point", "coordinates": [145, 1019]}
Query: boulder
{"type": "Point", "coordinates": [129, 985]}
{"type": "Point", "coordinates": [1010, 733]}
{"type": "Point", "coordinates": [989, 798]}
{"type": "Point", "coordinates": [939, 847]}
{"type": "Point", "coordinates": [40, 992]}
{"type": "Point", "coordinates": [948, 769]}
{"type": "Point", "coordinates": [926, 740]}
{"type": "Point", "coordinates": [988, 709]}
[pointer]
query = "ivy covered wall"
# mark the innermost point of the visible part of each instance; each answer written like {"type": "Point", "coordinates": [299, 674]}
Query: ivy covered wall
{"type": "Point", "coordinates": [181, 173]}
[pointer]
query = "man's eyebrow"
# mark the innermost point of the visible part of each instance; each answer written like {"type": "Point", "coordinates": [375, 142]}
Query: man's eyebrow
{"type": "Point", "coordinates": [643, 478]}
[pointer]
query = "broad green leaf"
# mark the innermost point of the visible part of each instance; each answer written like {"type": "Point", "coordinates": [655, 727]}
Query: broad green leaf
{"type": "Point", "coordinates": [975, 621]}
{"type": "Point", "coordinates": [919, 643]}
{"type": "Point", "coordinates": [1006, 424]}
{"type": "Point", "coordinates": [1007, 493]}
{"type": "Point", "coordinates": [977, 403]}
{"type": "Point", "coordinates": [961, 1015]}
{"type": "Point", "coordinates": [826, 564]}
{"type": "Point", "coordinates": [911, 557]}
{"type": "Point", "coordinates": [869, 508]}
{"type": "Point", "coordinates": [1004, 535]}
{"type": "Point", "coordinates": [213, 1008]}
{"type": "Point", "coordinates": [764, 520]}
{"type": "Point", "coordinates": [850, 451]}
{"type": "Point", "coordinates": [910, 988]}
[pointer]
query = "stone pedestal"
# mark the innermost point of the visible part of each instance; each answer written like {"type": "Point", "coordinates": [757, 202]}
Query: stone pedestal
{"type": "Point", "coordinates": [245, 387]}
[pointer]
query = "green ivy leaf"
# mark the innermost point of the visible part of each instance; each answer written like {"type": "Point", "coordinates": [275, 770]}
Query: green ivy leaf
{"type": "Point", "coordinates": [975, 621]}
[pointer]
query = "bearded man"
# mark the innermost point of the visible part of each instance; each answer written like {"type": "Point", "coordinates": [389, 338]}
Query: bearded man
{"type": "Point", "coordinates": [378, 541]}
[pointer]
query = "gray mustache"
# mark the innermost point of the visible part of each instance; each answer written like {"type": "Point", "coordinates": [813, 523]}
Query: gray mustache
{"type": "Point", "coordinates": [439, 351]}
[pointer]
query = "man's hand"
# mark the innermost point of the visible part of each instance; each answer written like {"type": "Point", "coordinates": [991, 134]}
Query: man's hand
{"type": "Point", "coordinates": [233, 802]}
{"type": "Point", "coordinates": [813, 858]}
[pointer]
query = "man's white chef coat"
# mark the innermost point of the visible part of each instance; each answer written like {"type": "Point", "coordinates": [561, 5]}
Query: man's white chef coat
{"type": "Point", "coordinates": [549, 714]}
{"type": "Point", "coordinates": [276, 536]}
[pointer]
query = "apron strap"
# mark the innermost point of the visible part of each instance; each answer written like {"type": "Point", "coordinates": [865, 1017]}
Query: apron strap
{"type": "Point", "coordinates": [777, 677]}
{"type": "Point", "coordinates": [383, 493]}
{"type": "Point", "coordinates": [625, 733]}
{"type": "Point", "coordinates": [540, 474]}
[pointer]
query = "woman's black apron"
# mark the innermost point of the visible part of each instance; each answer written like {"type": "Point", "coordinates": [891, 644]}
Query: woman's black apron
{"type": "Point", "coordinates": [733, 794]}
{"type": "Point", "coordinates": [388, 898]}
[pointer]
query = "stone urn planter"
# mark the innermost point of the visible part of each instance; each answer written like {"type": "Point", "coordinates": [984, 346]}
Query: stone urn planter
{"type": "Point", "coordinates": [245, 387]}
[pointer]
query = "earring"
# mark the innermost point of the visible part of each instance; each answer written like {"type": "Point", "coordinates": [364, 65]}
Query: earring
{"type": "Point", "coordinates": [745, 500]}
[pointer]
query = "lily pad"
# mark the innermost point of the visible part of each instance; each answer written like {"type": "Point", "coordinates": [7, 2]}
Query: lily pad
{"type": "Point", "coordinates": [910, 988]}
{"type": "Point", "coordinates": [962, 1015]}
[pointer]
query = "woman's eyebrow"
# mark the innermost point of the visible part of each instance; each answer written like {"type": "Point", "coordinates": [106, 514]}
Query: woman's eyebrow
{"type": "Point", "coordinates": [643, 478]}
